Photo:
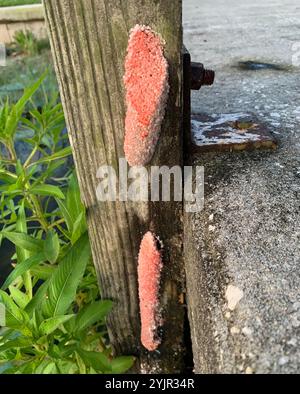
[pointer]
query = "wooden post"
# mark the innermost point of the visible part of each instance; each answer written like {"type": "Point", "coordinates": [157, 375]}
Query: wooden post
{"type": "Point", "coordinates": [89, 40]}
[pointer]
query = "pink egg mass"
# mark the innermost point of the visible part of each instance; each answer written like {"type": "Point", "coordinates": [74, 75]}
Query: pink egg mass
{"type": "Point", "coordinates": [149, 274]}
{"type": "Point", "coordinates": [147, 89]}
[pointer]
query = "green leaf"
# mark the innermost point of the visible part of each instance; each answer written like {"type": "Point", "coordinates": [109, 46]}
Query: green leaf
{"type": "Point", "coordinates": [122, 364]}
{"type": "Point", "coordinates": [7, 334]}
{"type": "Point", "coordinates": [43, 271]}
{"type": "Point", "coordinates": [21, 227]}
{"type": "Point", "coordinates": [92, 314]}
{"type": "Point", "coordinates": [73, 210]}
{"type": "Point", "coordinates": [50, 325]}
{"type": "Point", "coordinates": [15, 344]}
{"type": "Point", "coordinates": [51, 247]}
{"type": "Point", "coordinates": [58, 155]}
{"type": "Point", "coordinates": [30, 125]}
{"type": "Point", "coordinates": [20, 298]}
{"type": "Point", "coordinates": [66, 214]}
{"type": "Point", "coordinates": [39, 298]}
{"type": "Point", "coordinates": [98, 361]}
{"type": "Point", "coordinates": [7, 176]}
{"type": "Point", "coordinates": [29, 92]}
{"type": "Point", "coordinates": [15, 317]}
{"type": "Point", "coordinates": [65, 280]}
{"type": "Point", "coordinates": [37, 115]}
{"type": "Point", "coordinates": [20, 171]}
{"type": "Point", "coordinates": [79, 227]}
{"type": "Point", "coordinates": [74, 203]}
{"type": "Point", "coordinates": [52, 167]}
{"type": "Point", "coordinates": [47, 141]}
{"type": "Point", "coordinates": [23, 267]}
{"type": "Point", "coordinates": [47, 190]}
{"type": "Point", "coordinates": [51, 369]}
{"type": "Point", "coordinates": [12, 191]}
{"type": "Point", "coordinates": [66, 367]}
{"type": "Point", "coordinates": [24, 241]}
{"type": "Point", "coordinates": [57, 109]}
{"type": "Point", "coordinates": [47, 367]}
{"type": "Point", "coordinates": [11, 122]}
{"type": "Point", "coordinates": [23, 254]}
{"type": "Point", "coordinates": [13, 114]}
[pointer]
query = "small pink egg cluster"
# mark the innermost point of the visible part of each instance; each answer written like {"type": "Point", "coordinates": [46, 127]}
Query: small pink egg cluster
{"type": "Point", "coordinates": [147, 90]}
{"type": "Point", "coordinates": [149, 276]}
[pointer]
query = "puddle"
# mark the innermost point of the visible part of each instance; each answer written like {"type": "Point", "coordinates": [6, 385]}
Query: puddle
{"type": "Point", "coordinates": [250, 65]}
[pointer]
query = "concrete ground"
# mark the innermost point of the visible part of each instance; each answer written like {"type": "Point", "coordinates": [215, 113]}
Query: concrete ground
{"type": "Point", "coordinates": [243, 270]}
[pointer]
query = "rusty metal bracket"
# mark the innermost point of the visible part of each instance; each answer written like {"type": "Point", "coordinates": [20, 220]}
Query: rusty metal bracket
{"type": "Point", "coordinates": [229, 132]}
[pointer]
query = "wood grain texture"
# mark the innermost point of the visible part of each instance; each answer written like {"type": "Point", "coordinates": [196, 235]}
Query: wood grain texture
{"type": "Point", "coordinates": [89, 40]}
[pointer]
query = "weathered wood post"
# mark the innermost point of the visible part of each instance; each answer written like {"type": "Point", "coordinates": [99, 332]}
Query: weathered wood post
{"type": "Point", "coordinates": [89, 40]}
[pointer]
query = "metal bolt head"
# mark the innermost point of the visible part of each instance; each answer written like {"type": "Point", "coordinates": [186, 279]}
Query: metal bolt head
{"type": "Point", "coordinates": [200, 76]}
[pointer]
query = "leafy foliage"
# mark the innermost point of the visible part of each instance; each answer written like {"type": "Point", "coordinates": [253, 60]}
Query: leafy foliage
{"type": "Point", "coordinates": [55, 319]}
{"type": "Point", "coordinates": [23, 71]}
{"type": "Point", "coordinates": [25, 42]}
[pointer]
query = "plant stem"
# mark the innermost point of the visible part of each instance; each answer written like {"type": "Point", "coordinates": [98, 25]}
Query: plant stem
{"type": "Point", "coordinates": [27, 162]}
{"type": "Point", "coordinates": [37, 209]}
{"type": "Point", "coordinates": [11, 150]}
{"type": "Point", "coordinates": [28, 284]}
{"type": "Point", "coordinates": [57, 223]}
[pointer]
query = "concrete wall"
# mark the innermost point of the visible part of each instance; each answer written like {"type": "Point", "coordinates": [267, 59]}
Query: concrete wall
{"type": "Point", "coordinates": [28, 17]}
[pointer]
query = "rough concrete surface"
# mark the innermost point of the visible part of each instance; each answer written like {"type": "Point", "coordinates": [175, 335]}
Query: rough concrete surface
{"type": "Point", "coordinates": [243, 272]}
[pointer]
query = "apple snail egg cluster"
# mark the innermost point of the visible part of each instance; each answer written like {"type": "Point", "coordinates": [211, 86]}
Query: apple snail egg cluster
{"type": "Point", "coordinates": [147, 89]}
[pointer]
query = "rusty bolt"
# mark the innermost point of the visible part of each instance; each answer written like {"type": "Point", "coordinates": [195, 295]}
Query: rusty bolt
{"type": "Point", "coordinates": [200, 76]}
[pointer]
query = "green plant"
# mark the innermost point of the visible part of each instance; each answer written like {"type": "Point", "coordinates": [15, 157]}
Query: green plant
{"type": "Point", "coordinates": [26, 43]}
{"type": "Point", "coordinates": [55, 319]}
{"type": "Point", "coordinates": [22, 72]}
